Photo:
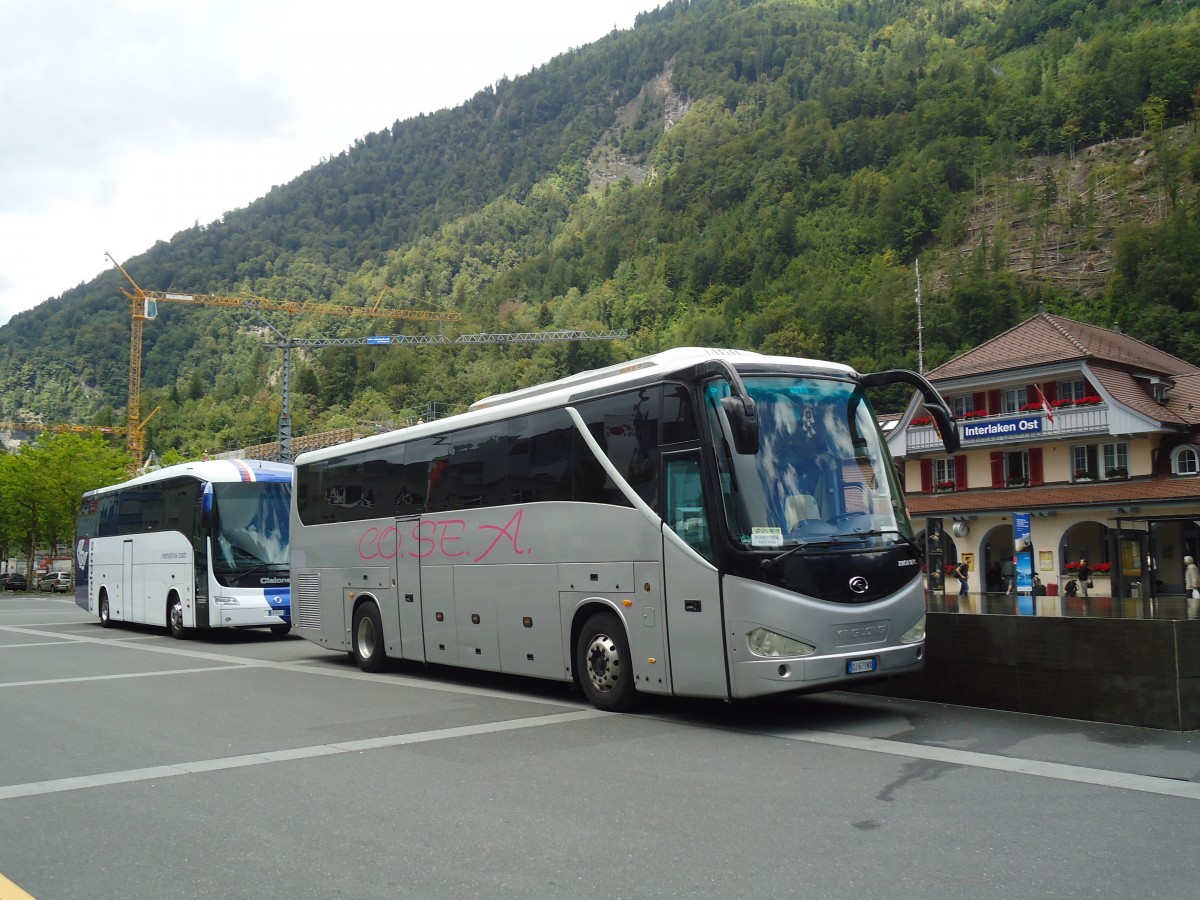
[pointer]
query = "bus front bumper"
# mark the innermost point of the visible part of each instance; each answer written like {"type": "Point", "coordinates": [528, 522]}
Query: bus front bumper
{"type": "Point", "coordinates": [760, 677]}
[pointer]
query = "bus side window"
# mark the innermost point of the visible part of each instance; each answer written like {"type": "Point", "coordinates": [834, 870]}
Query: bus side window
{"type": "Point", "coordinates": [678, 418]}
{"type": "Point", "coordinates": [685, 513]}
{"type": "Point", "coordinates": [626, 427]}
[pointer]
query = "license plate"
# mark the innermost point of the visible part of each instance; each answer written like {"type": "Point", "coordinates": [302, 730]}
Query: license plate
{"type": "Point", "coordinates": [857, 666]}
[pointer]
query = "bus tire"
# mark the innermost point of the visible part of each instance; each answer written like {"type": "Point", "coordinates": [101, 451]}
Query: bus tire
{"type": "Point", "coordinates": [105, 618]}
{"type": "Point", "coordinates": [367, 636]}
{"type": "Point", "coordinates": [280, 630]}
{"type": "Point", "coordinates": [175, 617]}
{"type": "Point", "coordinates": [604, 665]}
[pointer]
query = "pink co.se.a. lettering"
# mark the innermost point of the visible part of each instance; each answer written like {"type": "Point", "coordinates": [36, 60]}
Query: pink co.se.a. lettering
{"type": "Point", "coordinates": [439, 537]}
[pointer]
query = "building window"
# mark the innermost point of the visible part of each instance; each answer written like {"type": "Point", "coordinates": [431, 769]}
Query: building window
{"type": "Point", "coordinates": [1016, 468]}
{"type": "Point", "coordinates": [1116, 460]}
{"type": "Point", "coordinates": [1014, 399]}
{"type": "Point", "coordinates": [1185, 461]}
{"type": "Point", "coordinates": [943, 474]}
{"type": "Point", "coordinates": [962, 405]}
{"type": "Point", "coordinates": [1098, 462]}
{"type": "Point", "coordinates": [1072, 390]}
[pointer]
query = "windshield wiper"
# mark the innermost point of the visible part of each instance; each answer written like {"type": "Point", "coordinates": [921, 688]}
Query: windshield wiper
{"type": "Point", "coordinates": [771, 562]}
{"type": "Point", "coordinates": [880, 532]}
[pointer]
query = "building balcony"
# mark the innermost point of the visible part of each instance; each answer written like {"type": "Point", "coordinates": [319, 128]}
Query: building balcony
{"type": "Point", "coordinates": [1069, 422]}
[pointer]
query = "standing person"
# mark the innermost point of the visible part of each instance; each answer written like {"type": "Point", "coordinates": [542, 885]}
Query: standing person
{"type": "Point", "coordinates": [960, 571]}
{"type": "Point", "coordinates": [1009, 572]}
{"type": "Point", "coordinates": [1191, 581]}
{"type": "Point", "coordinates": [1085, 577]}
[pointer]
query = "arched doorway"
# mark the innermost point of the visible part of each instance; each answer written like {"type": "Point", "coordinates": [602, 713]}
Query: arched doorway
{"type": "Point", "coordinates": [997, 547]}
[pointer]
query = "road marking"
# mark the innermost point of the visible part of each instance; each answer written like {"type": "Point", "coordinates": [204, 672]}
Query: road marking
{"type": "Point", "coordinates": [222, 662]}
{"type": "Point", "coordinates": [1150, 784]}
{"type": "Point", "coordinates": [155, 773]}
{"type": "Point", "coordinates": [10, 891]}
{"type": "Point", "coordinates": [82, 678]}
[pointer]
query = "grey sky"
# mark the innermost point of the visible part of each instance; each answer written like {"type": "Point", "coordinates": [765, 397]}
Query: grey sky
{"type": "Point", "coordinates": [126, 121]}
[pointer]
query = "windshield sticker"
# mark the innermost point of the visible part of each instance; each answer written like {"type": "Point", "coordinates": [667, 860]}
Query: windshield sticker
{"type": "Point", "coordinates": [761, 536]}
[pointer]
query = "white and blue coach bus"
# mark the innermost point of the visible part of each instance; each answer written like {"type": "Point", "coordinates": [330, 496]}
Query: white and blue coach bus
{"type": "Point", "coordinates": [702, 523]}
{"type": "Point", "coordinates": [198, 545]}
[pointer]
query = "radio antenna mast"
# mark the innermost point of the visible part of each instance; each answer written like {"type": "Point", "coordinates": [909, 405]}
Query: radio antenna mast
{"type": "Point", "coordinates": [920, 324]}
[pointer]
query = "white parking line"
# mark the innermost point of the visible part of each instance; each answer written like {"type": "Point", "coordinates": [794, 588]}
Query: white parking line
{"type": "Point", "coordinates": [1188, 790]}
{"type": "Point", "coordinates": [155, 773]}
{"type": "Point", "coordinates": [1014, 765]}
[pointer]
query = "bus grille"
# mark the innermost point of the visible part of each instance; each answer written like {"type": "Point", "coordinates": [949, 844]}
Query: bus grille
{"type": "Point", "coordinates": [308, 605]}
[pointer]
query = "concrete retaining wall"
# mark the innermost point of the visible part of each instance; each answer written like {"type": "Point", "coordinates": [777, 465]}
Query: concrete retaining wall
{"type": "Point", "coordinates": [1127, 671]}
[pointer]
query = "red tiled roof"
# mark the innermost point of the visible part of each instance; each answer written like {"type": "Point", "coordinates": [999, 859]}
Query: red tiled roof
{"type": "Point", "coordinates": [1108, 493]}
{"type": "Point", "coordinates": [1046, 339]}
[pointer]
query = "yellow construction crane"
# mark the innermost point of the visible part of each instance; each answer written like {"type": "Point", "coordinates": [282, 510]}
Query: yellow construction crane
{"type": "Point", "coordinates": [145, 306]}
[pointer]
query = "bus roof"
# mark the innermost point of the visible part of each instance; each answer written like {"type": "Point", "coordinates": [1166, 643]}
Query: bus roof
{"type": "Point", "coordinates": [551, 393]}
{"type": "Point", "coordinates": [231, 470]}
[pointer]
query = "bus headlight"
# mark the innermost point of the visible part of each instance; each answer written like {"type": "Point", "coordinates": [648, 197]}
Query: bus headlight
{"type": "Point", "coordinates": [916, 633]}
{"type": "Point", "coordinates": [770, 644]}
{"type": "Point", "coordinates": [225, 601]}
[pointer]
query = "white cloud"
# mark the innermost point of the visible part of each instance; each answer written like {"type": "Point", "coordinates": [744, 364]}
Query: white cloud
{"type": "Point", "coordinates": [126, 121]}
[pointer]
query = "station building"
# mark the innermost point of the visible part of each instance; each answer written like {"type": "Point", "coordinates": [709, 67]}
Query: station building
{"type": "Point", "coordinates": [1093, 434]}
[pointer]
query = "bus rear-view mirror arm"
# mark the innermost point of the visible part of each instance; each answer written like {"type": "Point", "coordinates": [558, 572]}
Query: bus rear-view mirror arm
{"type": "Point", "coordinates": [934, 404]}
{"type": "Point", "coordinates": [739, 409]}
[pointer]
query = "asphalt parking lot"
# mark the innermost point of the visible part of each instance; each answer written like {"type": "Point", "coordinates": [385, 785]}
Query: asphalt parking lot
{"type": "Point", "coordinates": [242, 764]}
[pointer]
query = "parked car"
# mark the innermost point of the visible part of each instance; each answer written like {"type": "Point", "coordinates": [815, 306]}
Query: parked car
{"type": "Point", "coordinates": [15, 581]}
{"type": "Point", "coordinates": [59, 582]}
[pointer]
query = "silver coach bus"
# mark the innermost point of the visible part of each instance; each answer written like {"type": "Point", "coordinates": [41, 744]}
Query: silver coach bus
{"type": "Point", "coordinates": [702, 523]}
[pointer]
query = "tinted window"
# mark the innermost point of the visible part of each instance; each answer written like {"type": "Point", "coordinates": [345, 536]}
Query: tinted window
{"type": "Point", "coordinates": [626, 428]}
{"type": "Point", "coordinates": [426, 465]}
{"type": "Point", "coordinates": [678, 417]}
{"type": "Point", "coordinates": [383, 478]}
{"type": "Point", "coordinates": [539, 457]}
{"type": "Point", "coordinates": [333, 491]}
{"type": "Point", "coordinates": [478, 461]}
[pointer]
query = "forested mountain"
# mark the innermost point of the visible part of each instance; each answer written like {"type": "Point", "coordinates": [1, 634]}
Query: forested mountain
{"type": "Point", "coordinates": [751, 173]}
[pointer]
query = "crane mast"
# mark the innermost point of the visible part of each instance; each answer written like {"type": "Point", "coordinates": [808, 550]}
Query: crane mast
{"type": "Point", "coordinates": [145, 305]}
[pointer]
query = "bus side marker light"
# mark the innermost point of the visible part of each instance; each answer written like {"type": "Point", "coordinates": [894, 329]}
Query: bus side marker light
{"type": "Point", "coordinates": [627, 603]}
{"type": "Point", "coordinates": [651, 660]}
{"type": "Point", "coordinates": [439, 617]}
{"type": "Point", "coordinates": [474, 618]}
{"type": "Point", "coordinates": [527, 621]}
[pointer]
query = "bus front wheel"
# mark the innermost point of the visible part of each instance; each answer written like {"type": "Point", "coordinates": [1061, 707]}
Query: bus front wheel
{"type": "Point", "coordinates": [105, 618]}
{"type": "Point", "coordinates": [604, 665]}
{"type": "Point", "coordinates": [175, 617]}
{"type": "Point", "coordinates": [368, 638]}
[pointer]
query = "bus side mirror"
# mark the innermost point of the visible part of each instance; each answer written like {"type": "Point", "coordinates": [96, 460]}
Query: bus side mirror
{"type": "Point", "coordinates": [743, 423]}
{"type": "Point", "coordinates": [935, 405]}
{"type": "Point", "coordinates": [206, 504]}
{"type": "Point", "coordinates": [739, 408]}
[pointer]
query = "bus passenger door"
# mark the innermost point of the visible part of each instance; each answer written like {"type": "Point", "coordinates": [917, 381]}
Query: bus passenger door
{"type": "Point", "coordinates": [691, 583]}
{"type": "Point", "coordinates": [408, 587]}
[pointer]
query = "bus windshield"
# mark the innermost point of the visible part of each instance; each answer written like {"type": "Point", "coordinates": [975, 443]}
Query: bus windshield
{"type": "Point", "coordinates": [822, 475]}
{"type": "Point", "coordinates": [250, 528]}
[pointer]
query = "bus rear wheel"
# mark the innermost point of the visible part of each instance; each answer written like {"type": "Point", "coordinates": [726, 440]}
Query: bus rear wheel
{"type": "Point", "coordinates": [367, 636]}
{"type": "Point", "coordinates": [604, 665]}
{"type": "Point", "coordinates": [175, 617]}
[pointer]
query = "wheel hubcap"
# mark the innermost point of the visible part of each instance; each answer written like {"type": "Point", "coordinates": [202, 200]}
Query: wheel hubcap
{"type": "Point", "coordinates": [603, 663]}
{"type": "Point", "coordinates": [176, 616]}
{"type": "Point", "coordinates": [366, 638]}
